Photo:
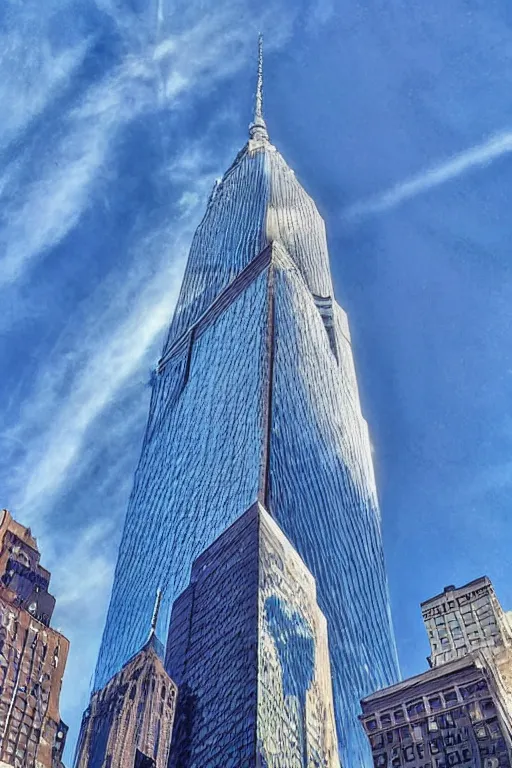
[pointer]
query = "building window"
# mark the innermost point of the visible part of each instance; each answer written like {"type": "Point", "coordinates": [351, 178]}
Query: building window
{"type": "Point", "coordinates": [432, 724]}
{"type": "Point", "coordinates": [434, 747]}
{"type": "Point", "coordinates": [409, 754]}
{"type": "Point", "coordinates": [371, 725]}
{"type": "Point", "coordinates": [435, 703]}
{"type": "Point", "coordinates": [446, 720]}
{"type": "Point", "coordinates": [385, 720]}
{"type": "Point", "coordinates": [377, 741]}
{"type": "Point", "coordinates": [415, 708]}
{"type": "Point", "coordinates": [399, 715]}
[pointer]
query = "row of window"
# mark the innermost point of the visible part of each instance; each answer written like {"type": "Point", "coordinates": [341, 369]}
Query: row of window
{"type": "Point", "coordinates": [437, 748]}
{"type": "Point", "coordinates": [408, 755]}
{"type": "Point", "coordinates": [434, 704]}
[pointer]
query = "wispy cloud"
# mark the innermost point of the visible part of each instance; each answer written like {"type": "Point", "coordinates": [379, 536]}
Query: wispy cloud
{"type": "Point", "coordinates": [58, 434]}
{"type": "Point", "coordinates": [475, 157]}
{"type": "Point", "coordinates": [111, 338]}
{"type": "Point", "coordinates": [31, 76]}
{"type": "Point", "coordinates": [52, 204]}
{"type": "Point", "coordinates": [81, 605]}
{"type": "Point", "coordinates": [86, 370]}
{"type": "Point", "coordinates": [38, 214]}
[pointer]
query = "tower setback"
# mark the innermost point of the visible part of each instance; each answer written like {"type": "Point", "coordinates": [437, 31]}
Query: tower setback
{"type": "Point", "coordinates": [256, 400]}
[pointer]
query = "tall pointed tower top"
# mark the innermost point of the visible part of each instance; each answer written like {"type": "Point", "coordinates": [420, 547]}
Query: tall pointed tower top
{"type": "Point", "coordinates": [258, 128]}
{"type": "Point", "coordinates": [156, 610]}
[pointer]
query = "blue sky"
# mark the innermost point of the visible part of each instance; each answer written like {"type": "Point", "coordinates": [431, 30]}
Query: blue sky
{"type": "Point", "coordinates": [117, 117]}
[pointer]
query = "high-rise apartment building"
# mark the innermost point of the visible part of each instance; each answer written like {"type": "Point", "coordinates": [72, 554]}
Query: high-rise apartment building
{"type": "Point", "coordinates": [460, 711]}
{"type": "Point", "coordinates": [248, 648]}
{"type": "Point", "coordinates": [255, 400]}
{"type": "Point", "coordinates": [32, 655]}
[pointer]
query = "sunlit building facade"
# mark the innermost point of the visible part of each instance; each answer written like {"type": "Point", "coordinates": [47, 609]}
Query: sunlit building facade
{"type": "Point", "coordinates": [459, 712]}
{"type": "Point", "coordinates": [267, 635]}
{"type": "Point", "coordinates": [255, 400]}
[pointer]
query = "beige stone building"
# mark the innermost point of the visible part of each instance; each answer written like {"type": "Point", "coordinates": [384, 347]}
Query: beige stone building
{"type": "Point", "coordinates": [460, 711]}
{"type": "Point", "coordinates": [32, 655]}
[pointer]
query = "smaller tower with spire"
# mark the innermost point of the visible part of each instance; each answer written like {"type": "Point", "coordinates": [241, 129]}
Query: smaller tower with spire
{"type": "Point", "coordinates": [128, 723]}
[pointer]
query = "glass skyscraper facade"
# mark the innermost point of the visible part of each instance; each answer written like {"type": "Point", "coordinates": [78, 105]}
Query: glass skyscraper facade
{"type": "Point", "coordinates": [255, 399]}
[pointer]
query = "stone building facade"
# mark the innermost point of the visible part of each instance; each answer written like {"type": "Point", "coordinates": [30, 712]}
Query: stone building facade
{"type": "Point", "coordinates": [129, 722]}
{"type": "Point", "coordinates": [464, 619]}
{"type": "Point", "coordinates": [460, 711]}
{"type": "Point", "coordinates": [32, 655]}
{"type": "Point", "coordinates": [248, 648]}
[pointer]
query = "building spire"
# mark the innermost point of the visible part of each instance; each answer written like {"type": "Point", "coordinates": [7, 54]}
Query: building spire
{"type": "Point", "coordinates": [258, 128]}
{"type": "Point", "coordinates": [156, 610]}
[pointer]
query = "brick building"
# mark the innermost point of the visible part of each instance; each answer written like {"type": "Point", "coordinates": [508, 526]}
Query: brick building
{"type": "Point", "coordinates": [32, 655]}
{"type": "Point", "coordinates": [248, 650]}
{"type": "Point", "coordinates": [128, 723]}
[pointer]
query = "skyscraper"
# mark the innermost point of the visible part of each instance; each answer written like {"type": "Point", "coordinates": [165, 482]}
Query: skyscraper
{"type": "Point", "coordinates": [255, 399]}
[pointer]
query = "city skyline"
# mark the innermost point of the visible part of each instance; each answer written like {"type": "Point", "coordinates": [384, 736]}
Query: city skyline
{"type": "Point", "coordinates": [434, 384]}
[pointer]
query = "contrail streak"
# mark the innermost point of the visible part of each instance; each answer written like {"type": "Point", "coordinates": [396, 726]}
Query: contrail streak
{"type": "Point", "coordinates": [475, 157]}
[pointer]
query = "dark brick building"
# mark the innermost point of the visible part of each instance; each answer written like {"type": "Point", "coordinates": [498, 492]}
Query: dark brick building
{"type": "Point", "coordinates": [32, 655]}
